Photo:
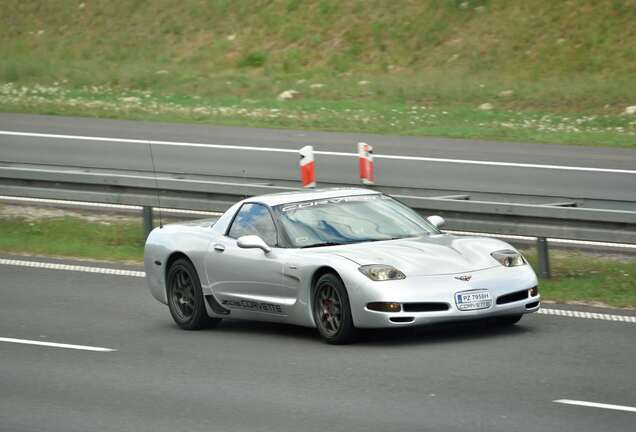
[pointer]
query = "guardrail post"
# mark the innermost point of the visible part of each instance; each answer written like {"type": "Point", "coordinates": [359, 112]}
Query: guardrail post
{"type": "Point", "coordinates": [147, 216]}
{"type": "Point", "coordinates": [544, 259]}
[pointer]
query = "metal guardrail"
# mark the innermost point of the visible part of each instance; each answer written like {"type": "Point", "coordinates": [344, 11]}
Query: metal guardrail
{"type": "Point", "coordinates": [199, 193]}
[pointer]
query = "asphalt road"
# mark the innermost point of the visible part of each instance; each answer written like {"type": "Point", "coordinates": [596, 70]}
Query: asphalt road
{"type": "Point", "coordinates": [247, 376]}
{"type": "Point", "coordinates": [335, 169]}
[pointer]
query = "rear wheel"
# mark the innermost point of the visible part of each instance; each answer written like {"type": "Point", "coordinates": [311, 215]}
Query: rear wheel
{"type": "Point", "coordinates": [185, 298]}
{"type": "Point", "coordinates": [332, 311]}
{"type": "Point", "coordinates": [508, 320]}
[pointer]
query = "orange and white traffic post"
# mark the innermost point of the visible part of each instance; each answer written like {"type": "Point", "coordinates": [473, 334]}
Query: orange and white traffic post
{"type": "Point", "coordinates": [307, 167]}
{"type": "Point", "coordinates": [365, 158]}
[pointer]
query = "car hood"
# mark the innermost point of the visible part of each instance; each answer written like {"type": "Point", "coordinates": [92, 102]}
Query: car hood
{"type": "Point", "coordinates": [427, 256]}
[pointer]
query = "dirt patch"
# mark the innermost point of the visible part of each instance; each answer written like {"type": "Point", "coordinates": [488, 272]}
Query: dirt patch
{"type": "Point", "coordinates": [31, 214]}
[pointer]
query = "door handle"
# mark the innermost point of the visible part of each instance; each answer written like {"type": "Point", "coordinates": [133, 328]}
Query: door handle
{"type": "Point", "coordinates": [219, 247]}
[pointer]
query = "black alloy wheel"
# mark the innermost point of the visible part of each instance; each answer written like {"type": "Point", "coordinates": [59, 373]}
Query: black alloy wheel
{"type": "Point", "coordinates": [332, 311]}
{"type": "Point", "coordinates": [185, 298]}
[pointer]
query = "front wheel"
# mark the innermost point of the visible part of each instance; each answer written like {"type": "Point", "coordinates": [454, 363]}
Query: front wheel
{"type": "Point", "coordinates": [332, 311]}
{"type": "Point", "coordinates": [185, 298]}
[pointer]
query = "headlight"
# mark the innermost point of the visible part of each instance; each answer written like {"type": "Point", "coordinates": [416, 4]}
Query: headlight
{"type": "Point", "coordinates": [381, 272]}
{"type": "Point", "coordinates": [509, 258]}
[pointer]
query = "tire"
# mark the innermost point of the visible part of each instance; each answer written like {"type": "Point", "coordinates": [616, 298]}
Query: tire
{"type": "Point", "coordinates": [332, 311]}
{"type": "Point", "coordinates": [508, 320]}
{"type": "Point", "coordinates": [185, 298]}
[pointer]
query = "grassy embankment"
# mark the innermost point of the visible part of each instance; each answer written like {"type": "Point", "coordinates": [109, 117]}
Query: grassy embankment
{"type": "Point", "coordinates": [577, 276]}
{"type": "Point", "coordinates": [560, 72]}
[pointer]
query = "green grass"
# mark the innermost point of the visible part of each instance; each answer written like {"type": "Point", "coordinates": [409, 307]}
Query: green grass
{"type": "Point", "coordinates": [577, 276]}
{"type": "Point", "coordinates": [73, 237]}
{"type": "Point", "coordinates": [589, 278]}
{"type": "Point", "coordinates": [572, 61]}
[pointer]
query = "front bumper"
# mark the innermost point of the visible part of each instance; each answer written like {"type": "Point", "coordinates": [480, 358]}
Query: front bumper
{"type": "Point", "coordinates": [441, 289]}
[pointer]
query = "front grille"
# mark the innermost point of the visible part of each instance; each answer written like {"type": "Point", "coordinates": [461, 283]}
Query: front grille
{"type": "Point", "coordinates": [401, 319]}
{"type": "Point", "coordinates": [515, 296]}
{"type": "Point", "coordinates": [425, 307]}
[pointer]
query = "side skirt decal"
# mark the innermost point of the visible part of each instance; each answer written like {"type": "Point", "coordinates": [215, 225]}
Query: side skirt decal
{"type": "Point", "coordinates": [254, 306]}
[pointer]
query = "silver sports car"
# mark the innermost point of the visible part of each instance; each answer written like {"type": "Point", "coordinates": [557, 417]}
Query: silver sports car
{"type": "Point", "coordinates": [335, 259]}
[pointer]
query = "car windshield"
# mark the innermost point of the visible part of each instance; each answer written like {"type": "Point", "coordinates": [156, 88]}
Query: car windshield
{"type": "Point", "coordinates": [350, 219]}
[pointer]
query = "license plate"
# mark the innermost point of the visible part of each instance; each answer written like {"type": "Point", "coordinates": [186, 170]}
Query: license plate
{"type": "Point", "coordinates": [473, 300]}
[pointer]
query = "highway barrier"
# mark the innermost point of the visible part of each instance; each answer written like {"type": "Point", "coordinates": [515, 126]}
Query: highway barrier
{"type": "Point", "coordinates": [560, 220]}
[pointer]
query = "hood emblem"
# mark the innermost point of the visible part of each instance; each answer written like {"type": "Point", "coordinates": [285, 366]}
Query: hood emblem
{"type": "Point", "coordinates": [464, 278]}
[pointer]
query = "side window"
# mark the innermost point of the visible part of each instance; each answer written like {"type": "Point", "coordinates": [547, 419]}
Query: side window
{"type": "Point", "coordinates": [254, 219]}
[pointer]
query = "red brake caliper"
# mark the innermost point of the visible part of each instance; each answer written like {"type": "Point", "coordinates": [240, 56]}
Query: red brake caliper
{"type": "Point", "coordinates": [327, 303]}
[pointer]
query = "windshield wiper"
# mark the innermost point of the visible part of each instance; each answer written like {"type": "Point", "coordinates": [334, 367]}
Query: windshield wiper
{"type": "Point", "coordinates": [385, 239]}
{"type": "Point", "coordinates": [323, 244]}
{"type": "Point", "coordinates": [351, 242]}
{"type": "Point", "coordinates": [357, 241]}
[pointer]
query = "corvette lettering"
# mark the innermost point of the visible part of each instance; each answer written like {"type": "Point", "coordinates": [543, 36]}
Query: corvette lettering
{"type": "Point", "coordinates": [253, 306]}
{"type": "Point", "coordinates": [298, 206]}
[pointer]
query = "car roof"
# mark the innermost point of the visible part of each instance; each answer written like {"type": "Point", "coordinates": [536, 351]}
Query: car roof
{"type": "Point", "coordinates": [308, 195]}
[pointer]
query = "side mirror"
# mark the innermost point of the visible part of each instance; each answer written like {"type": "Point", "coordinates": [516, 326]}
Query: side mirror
{"type": "Point", "coordinates": [252, 242]}
{"type": "Point", "coordinates": [436, 221]}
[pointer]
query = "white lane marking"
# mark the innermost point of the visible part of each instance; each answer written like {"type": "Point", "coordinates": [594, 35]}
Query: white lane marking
{"type": "Point", "coordinates": [56, 345]}
{"type": "Point", "coordinates": [326, 153]}
{"type": "Point", "coordinates": [596, 405]}
{"type": "Point", "coordinates": [506, 164]}
{"type": "Point", "coordinates": [140, 274]}
{"type": "Point", "coordinates": [68, 267]}
{"type": "Point", "coordinates": [587, 315]}
{"type": "Point", "coordinates": [154, 142]}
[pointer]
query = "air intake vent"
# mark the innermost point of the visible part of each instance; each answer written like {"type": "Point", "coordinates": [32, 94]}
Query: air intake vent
{"type": "Point", "coordinates": [401, 319]}
{"type": "Point", "coordinates": [425, 307]}
{"type": "Point", "coordinates": [515, 296]}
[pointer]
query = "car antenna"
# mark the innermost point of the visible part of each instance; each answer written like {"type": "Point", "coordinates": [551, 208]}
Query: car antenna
{"type": "Point", "coordinates": [244, 180]}
{"type": "Point", "coordinates": [154, 173]}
